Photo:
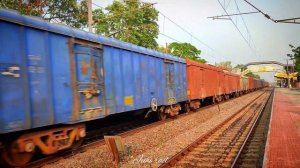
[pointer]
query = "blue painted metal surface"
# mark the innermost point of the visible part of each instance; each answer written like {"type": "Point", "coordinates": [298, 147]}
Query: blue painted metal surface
{"type": "Point", "coordinates": [34, 22]}
{"type": "Point", "coordinates": [13, 106]}
{"type": "Point", "coordinates": [89, 82]}
{"type": "Point", "coordinates": [133, 79]}
{"type": "Point", "coordinates": [129, 76]}
{"type": "Point", "coordinates": [61, 84]}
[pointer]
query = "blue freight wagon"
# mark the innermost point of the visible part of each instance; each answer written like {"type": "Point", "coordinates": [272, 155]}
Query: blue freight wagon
{"type": "Point", "coordinates": [52, 74]}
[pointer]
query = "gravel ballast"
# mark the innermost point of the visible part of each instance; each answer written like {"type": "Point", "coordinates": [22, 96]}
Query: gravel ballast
{"type": "Point", "coordinates": [151, 147]}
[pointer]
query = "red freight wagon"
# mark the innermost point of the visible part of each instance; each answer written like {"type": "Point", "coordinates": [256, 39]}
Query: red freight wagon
{"type": "Point", "coordinates": [231, 83]}
{"type": "Point", "coordinates": [203, 81]}
{"type": "Point", "coordinates": [251, 83]}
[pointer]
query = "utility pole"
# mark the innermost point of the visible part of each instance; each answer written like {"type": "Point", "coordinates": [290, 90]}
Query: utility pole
{"type": "Point", "coordinates": [287, 72]}
{"type": "Point", "coordinates": [293, 71]}
{"type": "Point", "coordinates": [90, 19]}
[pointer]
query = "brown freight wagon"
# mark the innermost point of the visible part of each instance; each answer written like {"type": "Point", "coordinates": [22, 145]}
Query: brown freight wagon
{"type": "Point", "coordinates": [251, 84]}
{"type": "Point", "coordinates": [203, 81]}
{"type": "Point", "coordinates": [231, 84]}
{"type": "Point", "coordinates": [259, 83]}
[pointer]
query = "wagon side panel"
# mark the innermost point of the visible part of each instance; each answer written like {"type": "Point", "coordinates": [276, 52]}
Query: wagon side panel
{"type": "Point", "coordinates": [180, 82]}
{"type": "Point", "coordinates": [14, 112]}
{"type": "Point", "coordinates": [194, 80]}
{"type": "Point", "coordinates": [132, 80]}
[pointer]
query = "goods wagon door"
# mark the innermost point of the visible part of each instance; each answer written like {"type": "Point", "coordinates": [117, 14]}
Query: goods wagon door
{"type": "Point", "coordinates": [88, 84]}
{"type": "Point", "coordinates": [170, 83]}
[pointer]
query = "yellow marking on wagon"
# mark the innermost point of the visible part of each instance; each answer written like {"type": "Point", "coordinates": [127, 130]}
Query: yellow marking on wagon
{"type": "Point", "coordinates": [128, 100]}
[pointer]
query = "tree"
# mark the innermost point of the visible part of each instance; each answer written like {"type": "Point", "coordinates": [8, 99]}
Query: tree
{"type": "Point", "coordinates": [225, 65]}
{"type": "Point", "coordinates": [164, 49]}
{"type": "Point", "coordinates": [184, 50]}
{"type": "Point", "coordinates": [130, 21]}
{"type": "Point", "coordinates": [68, 12]}
{"type": "Point", "coordinates": [296, 56]}
{"type": "Point", "coordinates": [241, 66]}
{"type": "Point", "coordinates": [250, 74]}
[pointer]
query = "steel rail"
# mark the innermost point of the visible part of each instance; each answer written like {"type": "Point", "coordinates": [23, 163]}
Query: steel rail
{"type": "Point", "coordinates": [71, 152]}
{"type": "Point", "coordinates": [234, 163]}
{"type": "Point", "coordinates": [173, 160]}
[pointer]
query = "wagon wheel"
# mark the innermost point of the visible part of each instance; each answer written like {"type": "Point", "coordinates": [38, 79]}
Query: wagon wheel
{"type": "Point", "coordinates": [77, 144]}
{"type": "Point", "coordinates": [226, 97]}
{"type": "Point", "coordinates": [214, 99]}
{"type": "Point", "coordinates": [13, 157]}
{"type": "Point", "coordinates": [162, 113]}
{"type": "Point", "coordinates": [219, 99]}
{"type": "Point", "coordinates": [187, 108]}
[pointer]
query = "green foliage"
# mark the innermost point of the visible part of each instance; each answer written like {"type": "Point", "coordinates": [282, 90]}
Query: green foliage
{"type": "Point", "coordinates": [295, 55]}
{"type": "Point", "coordinates": [68, 12]}
{"type": "Point", "coordinates": [250, 74]}
{"type": "Point", "coordinates": [225, 65]}
{"type": "Point", "coordinates": [184, 50]}
{"type": "Point", "coordinates": [130, 21]}
{"type": "Point", "coordinates": [240, 66]}
{"type": "Point", "coordinates": [163, 49]}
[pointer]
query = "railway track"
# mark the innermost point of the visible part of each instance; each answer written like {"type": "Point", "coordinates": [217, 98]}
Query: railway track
{"type": "Point", "coordinates": [219, 146]}
{"type": "Point", "coordinates": [97, 140]}
{"type": "Point", "coordinates": [251, 153]}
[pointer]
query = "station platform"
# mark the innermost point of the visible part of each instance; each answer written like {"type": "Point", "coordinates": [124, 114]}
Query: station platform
{"type": "Point", "coordinates": [283, 143]}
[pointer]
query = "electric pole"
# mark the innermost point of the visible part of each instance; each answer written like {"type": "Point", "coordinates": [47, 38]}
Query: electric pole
{"type": "Point", "coordinates": [90, 19]}
{"type": "Point", "coordinates": [287, 72]}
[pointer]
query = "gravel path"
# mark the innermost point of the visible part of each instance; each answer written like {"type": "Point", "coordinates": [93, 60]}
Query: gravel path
{"type": "Point", "coordinates": [154, 146]}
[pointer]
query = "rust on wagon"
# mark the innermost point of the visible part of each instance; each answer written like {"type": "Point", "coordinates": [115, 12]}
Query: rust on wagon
{"type": "Point", "coordinates": [75, 95]}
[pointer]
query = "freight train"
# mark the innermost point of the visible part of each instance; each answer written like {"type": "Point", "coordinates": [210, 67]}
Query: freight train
{"type": "Point", "coordinates": [55, 79]}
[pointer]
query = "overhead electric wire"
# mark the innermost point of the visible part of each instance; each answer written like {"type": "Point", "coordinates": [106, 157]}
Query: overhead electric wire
{"type": "Point", "coordinates": [180, 42]}
{"type": "Point", "coordinates": [183, 29]}
{"type": "Point", "coordinates": [190, 34]}
{"type": "Point", "coordinates": [266, 15]}
{"type": "Point", "coordinates": [288, 20]}
{"type": "Point", "coordinates": [238, 29]}
{"type": "Point", "coordinates": [169, 37]}
{"type": "Point", "coordinates": [249, 34]}
{"type": "Point", "coordinates": [235, 14]}
{"type": "Point", "coordinates": [226, 6]}
{"type": "Point", "coordinates": [98, 6]}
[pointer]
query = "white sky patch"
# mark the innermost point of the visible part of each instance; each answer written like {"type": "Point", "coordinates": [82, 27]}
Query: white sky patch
{"type": "Point", "coordinates": [271, 39]}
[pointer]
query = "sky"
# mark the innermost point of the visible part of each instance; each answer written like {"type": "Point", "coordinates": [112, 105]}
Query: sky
{"type": "Point", "coordinates": [219, 40]}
